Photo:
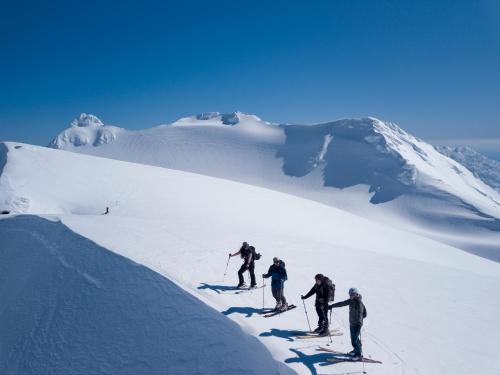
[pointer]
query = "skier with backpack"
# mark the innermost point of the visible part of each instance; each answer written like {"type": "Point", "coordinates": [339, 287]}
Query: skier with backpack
{"type": "Point", "coordinates": [249, 257]}
{"type": "Point", "coordinates": [357, 312]}
{"type": "Point", "coordinates": [277, 273]}
{"type": "Point", "coordinates": [325, 292]}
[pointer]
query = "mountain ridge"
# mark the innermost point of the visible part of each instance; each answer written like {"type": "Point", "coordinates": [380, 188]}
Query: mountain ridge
{"type": "Point", "coordinates": [366, 166]}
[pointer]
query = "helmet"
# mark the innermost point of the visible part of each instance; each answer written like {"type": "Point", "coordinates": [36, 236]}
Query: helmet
{"type": "Point", "coordinates": [353, 291]}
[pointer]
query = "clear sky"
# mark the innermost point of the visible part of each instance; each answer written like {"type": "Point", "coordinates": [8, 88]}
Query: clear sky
{"type": "Point", "coordinates": [433, 67]}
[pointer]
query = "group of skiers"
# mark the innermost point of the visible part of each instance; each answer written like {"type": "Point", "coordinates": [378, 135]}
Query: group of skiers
{"type": "Point", "coordinates": [323, 289]}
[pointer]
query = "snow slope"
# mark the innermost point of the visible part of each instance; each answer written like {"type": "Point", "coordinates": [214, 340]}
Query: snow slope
{"type": "Point", "coordinates": [365, 166]}
{"type": "Point", "coordinates": [182, 225]}
{"type": "Point", "coordinates": [71, 307]}
{"type": "Point", "coordinates": [483, 167]}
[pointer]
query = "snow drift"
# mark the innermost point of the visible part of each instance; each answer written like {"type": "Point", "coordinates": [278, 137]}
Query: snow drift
{"type": "Point", "coordinates": [365, 166]}
{"type": "Point", "coordinates": [71, 307]}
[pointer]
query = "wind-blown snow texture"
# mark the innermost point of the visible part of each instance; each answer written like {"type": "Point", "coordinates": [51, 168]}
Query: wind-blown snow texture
{"type": "Point", "coordinates": [365, 166]}
{"type": "Point", "coordinates": [182, 226]}
{"type": "Point", "coordinates": [71, 307]}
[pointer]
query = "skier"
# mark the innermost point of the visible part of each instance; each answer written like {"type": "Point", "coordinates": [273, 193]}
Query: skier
{"type": "Point", "coordinates": [247, 253]}
{"type": "Point", "coordinates": [107, 211]}
{"type": "Point", "coordinates": [324, 290]}
{"type": "Point", "coordinates": [357, 312]}
{"type": "Point", "coordinates": [278, 275]}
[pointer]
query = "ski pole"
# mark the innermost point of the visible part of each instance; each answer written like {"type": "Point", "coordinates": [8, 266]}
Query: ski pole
{"type": "Point", "coordinates": [364, 369]}
{"type": "Point", "coordinates": [307, 316]}
{"type": "Point", "coordinates": [227, 264]}
{"type": "Point", "coordinates": [263, 295]}
{"type": "Point", "coordinates": [329, 332]}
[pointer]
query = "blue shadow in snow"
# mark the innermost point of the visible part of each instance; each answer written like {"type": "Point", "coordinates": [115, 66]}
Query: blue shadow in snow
{"type": "Point", "coordinates": [283, 333]}
{"type": "Point", "coordinates": [247, 311]}
{"type": "Point", "coordinates": [217, 288]}
{"type": "Point", "coordinates": [310, 360]}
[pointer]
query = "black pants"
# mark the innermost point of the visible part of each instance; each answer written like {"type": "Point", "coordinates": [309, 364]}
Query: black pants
{"type": "Point", "coordinates": [322, 311]}
{"type": "Point", "coordinates": [251, 268]}
{"type": "Point", "coordinates": [356, 340]}
{"type": "Point", "coordinates": [278, 295]}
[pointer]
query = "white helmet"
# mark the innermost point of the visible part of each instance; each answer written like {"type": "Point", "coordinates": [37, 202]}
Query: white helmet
{"type": "Point", "coordinates": [354, 292]}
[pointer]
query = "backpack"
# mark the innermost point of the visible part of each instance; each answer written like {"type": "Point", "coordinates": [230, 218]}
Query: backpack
{"type": "Point", "coordinates": [331, 289]}
{"type": "Point", "coordinates": [365, 314]}
{"type": "Point", "coordinates": [255, 255]}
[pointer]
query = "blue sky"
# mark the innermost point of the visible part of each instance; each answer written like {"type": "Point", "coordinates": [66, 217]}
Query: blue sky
{"type": "Point", "coordinates": [431, 66]}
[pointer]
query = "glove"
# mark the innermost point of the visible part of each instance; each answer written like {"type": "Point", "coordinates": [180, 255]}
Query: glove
{"type": "Point", "coordinates": [230, 255]}
{"type": "Point", "coordinates": [302, 297]}
{"type": "Point", "coordinates": [330, 307]}
{"type": "Point", "coordinates": [263, 275]}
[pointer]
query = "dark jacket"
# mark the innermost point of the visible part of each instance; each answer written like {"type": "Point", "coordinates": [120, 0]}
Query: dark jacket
{"type": "Point", "coordinates": [322, 293]}
{"type": "Point", "coordinates": [357, 310]}
{"type": "Point", "coordinates": [278, 275]}
{"type": "Point", "coordinates": [246, 254]}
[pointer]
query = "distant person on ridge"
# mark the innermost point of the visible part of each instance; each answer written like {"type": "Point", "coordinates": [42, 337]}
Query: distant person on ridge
{"type": "Point", "coordinates": [249, 256]}
{"type": "Point", "coordinates": [107, 211]}
{"type": "Point", "coordinates": [357, 312]}
{"type": "Point", "coordinates": [325, 292]}
{"type": "Point", "coordinates": [277, 273]}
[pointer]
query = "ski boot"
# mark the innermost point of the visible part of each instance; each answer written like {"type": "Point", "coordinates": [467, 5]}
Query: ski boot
{"type": "Point", "coordinates": [283, 307]}
{"type": "Point", "coordinates": [317, 330]}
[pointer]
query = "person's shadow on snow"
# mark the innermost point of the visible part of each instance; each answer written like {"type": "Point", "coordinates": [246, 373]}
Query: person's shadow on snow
{"type": "Point", "coordinates": [247, 311]}
{"type": "Point", "coordinates": [283, 333]}
{"type": "Point", "coordinates": [310, 360]}
{"type": "Point", "coordinates": [217, 288]}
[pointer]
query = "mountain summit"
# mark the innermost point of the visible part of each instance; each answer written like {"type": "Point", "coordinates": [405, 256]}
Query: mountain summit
{"type": "Point", "coordinates": [86, 129]}
{"type": "Point", "coordinates": [85, 120]}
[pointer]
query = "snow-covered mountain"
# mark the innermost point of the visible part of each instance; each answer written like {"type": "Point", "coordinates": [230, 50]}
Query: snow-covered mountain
{"type": "Point", "coordinates": [365, 166]}
{"type": "Point", "coordinates": [85, 130]}
{"type": "Point", "coordinates": [88, 293]}
{"type": "Point", "coordinates": [483, 167]}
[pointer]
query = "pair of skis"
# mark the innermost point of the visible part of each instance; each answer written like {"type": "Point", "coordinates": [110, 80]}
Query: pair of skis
{"type": "Point", "coordinates": [311, 335]}
{"type": "Point", "coordinates": [273, 312]}
{"type": "Point", "coordinates": [344, 357]}
{"type": "Point", "coordinates": [237, 290]}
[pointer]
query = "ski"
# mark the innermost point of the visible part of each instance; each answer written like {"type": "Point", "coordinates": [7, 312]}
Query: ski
{"type": "Point", "coordinates": [267, 311]}
{"type": "Point", "coordinates": [339, 360]}
{"type": "Point", "coordinates": [345, 357]}
{"type": "Point", "coordinates": [290, 307]}
{"type": "Point", "coordinates": [242, 290]}
{"type": "Point", "coordinates": [308, 333]}
{"type": "Point", "coordinates": [312, 336]}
